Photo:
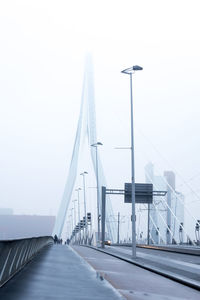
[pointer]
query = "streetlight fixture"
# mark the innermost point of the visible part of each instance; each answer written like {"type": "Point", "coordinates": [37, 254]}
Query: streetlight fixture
{"type": "Point", "coordinates": [130, 72]}
{"type": "Point", "coordinates": [72, 219]}
{"type": "Point", "coordinates": [95, 145]}
{"type": "Point", "coordinates": [83, 174]}
{"type": "Point", "coordinates": [74, 216]}
{"type": "Point", "coordinates": [70, 225]}
{"type": "Point", "coordinates": [79, 215]}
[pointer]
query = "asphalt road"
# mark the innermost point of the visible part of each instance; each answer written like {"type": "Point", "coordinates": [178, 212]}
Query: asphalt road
{"type": "Point", "coordinates": [184, 265]}
{"type": "Point", "coordinates": [133, 282]}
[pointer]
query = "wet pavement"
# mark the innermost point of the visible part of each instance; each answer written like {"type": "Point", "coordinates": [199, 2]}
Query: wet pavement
{"type": "Point", "coordinates": [182, 266]}
{"type": "Point", "coordinates": [193, 250]}
{"type": "Point", "coordinates": [58, 273]}
{"type": "Point", "coordinates": [134, 282]}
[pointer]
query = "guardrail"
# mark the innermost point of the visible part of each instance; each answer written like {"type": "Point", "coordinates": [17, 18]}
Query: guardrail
{"type": "Point", "coordinates": [15, 254]}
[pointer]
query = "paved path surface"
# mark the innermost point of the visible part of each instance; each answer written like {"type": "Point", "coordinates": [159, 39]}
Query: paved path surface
{"type": "Point", "coordinates": [133, 282]}
{"type": "Point", "coordinates": [187, 266]}
{"type": "Point", "coordinates": [195, 259]}
{"type": "Point", "coordinates": [193, 250]}
{"type": "Point", "coordinates": [58, 273]}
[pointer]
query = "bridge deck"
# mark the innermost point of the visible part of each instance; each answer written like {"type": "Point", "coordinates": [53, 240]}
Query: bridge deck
{"type": "Point", "coordinates": [183, 266]}
{"type": "Point", "coordinates": [57, 273]}
{"type": "Point", "coordinates": [134, 282]}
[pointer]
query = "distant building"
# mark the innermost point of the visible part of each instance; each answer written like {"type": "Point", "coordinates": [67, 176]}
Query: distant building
{"type": "Point", "coordinates": [24, 226]}
{"type": "Point", "coordinates": [157, 209]}
{"type": "Point", "coordinates": [164, 215]}
{"type": "Point", "coordinates": [170, 177]}
{"type": "Point", "coordinates": [178, 209]}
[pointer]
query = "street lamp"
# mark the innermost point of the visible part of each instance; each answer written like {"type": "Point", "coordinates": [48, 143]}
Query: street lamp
{"type": "Point", "coordinates": [98, 191]}
{"type": "Point", "coordinates": [72, 220]}
{"type": "Point", "coordinates": [70, 225]}
{"type": "Point", "coordinates": [74, 216]}
{"type": "Point", "coordinates": [79, 215]}
{"type": "Point", "coordinates": [83, 174]}
{"type": "Point", "coordinates": [130, 71]}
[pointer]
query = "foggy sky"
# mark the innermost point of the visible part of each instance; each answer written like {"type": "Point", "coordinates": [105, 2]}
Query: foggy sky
{"type": "Point", "coordinates": [42, 50]}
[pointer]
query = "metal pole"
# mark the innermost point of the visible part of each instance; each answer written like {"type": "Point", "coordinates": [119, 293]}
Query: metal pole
{"type": "Point", "coordinates": [118, 227]}
{"type": "Point", "coordinates": [74, 217]}
{"type": "Point", "coordinates": [85, 208]}
{"type": "Point", "coordinates": [132, 175]}
{"type": "Point", "coordinates": [148, 225]}
{"type": "Point", "coordinates": [98, 191]}
{"type": "Point", "coordinates": [70, 225]}
{"type": "Point", "coordinates": [169, 236]}
{"type": "Point", "coordinates": [103, 216]}
{"type": "Point", "coordinates": [79, 216]}
{"type": "Point", "coordinates": [72, 220]}
{"type": "Point", "coordinates": [97, 175]}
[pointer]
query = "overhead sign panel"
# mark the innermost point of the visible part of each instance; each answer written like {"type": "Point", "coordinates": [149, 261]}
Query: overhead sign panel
{"type": "Point", "coordinates": [143, 193]}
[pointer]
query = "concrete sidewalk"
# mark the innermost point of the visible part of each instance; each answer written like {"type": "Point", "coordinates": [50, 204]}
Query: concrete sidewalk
{"type": "Point", "coordinates": [57, 273]}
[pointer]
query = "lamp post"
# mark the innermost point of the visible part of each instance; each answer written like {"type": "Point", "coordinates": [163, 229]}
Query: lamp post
{"type": "Point", "coordinates": [98, 191]}
{"type": "Point", "coordinates": [83, 174]}
{"type": "Point", "coordinates": [68, 229]}
{"type": "Point", "coordinates": [74, 217]}
{"type": "Point", "coordinates": [79, 215]}
{"type": "Point", "coordinates": [130, 71]}
{"type": "Point", "coordinates": [118, 224]}
{"type": "Point", "coordinates": [70, 225]}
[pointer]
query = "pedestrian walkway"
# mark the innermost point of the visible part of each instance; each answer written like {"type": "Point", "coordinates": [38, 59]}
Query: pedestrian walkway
{"type": "Point", "coordinates": [57, 273]}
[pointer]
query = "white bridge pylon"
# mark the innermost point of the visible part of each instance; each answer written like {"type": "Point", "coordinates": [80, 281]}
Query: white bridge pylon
{"type": "Point", "coordinates": [86, 128]}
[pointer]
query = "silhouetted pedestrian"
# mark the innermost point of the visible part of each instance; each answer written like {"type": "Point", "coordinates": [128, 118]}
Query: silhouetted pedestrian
{"type": "Point", "coordinates": [55, 239]}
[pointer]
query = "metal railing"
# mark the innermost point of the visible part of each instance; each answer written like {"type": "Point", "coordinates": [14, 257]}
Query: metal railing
{"type": "Point", "coordinates": [15, 254]}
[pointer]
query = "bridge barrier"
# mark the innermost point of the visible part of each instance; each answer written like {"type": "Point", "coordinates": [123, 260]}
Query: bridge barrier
{"type": "Point", "coordinates": [15, 254]}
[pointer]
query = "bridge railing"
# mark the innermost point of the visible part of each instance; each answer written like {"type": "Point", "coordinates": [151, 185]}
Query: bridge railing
{"type": "Point", "coordinates": [15, 254]}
